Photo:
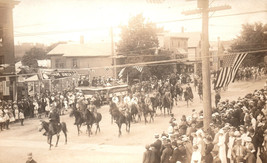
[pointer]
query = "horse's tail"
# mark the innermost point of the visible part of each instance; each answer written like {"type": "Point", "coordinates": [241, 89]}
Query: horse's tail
{"type": "Point", "coordinates": [64, 127]}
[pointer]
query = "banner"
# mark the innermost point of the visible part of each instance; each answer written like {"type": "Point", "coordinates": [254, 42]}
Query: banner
{"type": "Point", "coordinates": [6, 85]}
{"type": "Point", "coordinates": [31, 88]}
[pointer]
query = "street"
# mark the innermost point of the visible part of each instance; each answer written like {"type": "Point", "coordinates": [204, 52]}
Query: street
{"type": "Point", "coordinates": [106, 146]}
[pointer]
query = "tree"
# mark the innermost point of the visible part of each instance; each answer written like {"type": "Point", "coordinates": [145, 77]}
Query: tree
{"type": "Point", "coordinates": [138, 37]}
{"type": "Point", "coordinates": [253, 38]}
{"type": "Point", "coordinates": [30, 58]}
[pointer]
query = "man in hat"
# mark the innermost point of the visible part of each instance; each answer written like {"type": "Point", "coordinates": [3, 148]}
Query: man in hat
{"type": "Point", "coordinates": [157, 146]}
{"type": "Point", "coordinates": [147, 156]}
{"type": "Point", "coordinates": [166, 153]}
{"type": "Point", "coordinates": [30, 159]}
{"type": "Point", "coordinates": [239, 151]}
{"type": "Point", "coordinates": [54, 120]}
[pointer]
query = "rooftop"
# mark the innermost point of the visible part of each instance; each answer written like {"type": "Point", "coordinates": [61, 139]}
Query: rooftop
{"type": "Point", "coordinates": [82, 50]}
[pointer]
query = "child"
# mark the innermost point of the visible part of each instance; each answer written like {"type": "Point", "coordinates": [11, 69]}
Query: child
{"type": "Point", "coordinates": [21, 117]}
{"type": "Point", "coordinates": [196, 155]}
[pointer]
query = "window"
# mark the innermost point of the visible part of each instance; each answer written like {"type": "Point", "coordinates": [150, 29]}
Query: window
{"type": "Point", "coordinates": [74, 63]}
{"type": "Point", "coordinates": [57, 63]}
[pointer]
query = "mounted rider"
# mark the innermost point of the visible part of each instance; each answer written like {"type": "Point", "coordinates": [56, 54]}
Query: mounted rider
{"type": "Point", "coordinates": [54, 120]}
{"type": "Point", "coordinates": [92, 108]}
{"type": "Point", "coordinates": [148, 102]}
{"type": "Point", "coordinates": [126, 101]}
{"type": "Point", "coordinates": [115, 99]}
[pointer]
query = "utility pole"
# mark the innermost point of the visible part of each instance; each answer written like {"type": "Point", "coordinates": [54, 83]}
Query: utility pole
{"type": "Point", "coordinates": [204, 10]}
{"type": "Point", "coordinates": [206, 65]}
{"type": "Point", "coordinates": [113, 54]}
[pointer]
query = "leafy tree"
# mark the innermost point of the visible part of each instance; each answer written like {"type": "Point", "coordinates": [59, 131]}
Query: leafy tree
{"type": "Point", "coordinates": [30, 58]}
{"type": "Point", "coordinates": [138, 37]}
{"type": "Point", "coordinates": [253, 37]}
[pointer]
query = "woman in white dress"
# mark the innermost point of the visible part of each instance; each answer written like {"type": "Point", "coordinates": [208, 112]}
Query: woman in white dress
{"type": "Point", "coordinates": [221, 144]}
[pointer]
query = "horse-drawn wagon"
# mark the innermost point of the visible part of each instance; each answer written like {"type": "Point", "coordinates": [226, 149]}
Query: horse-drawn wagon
{"type": "Point", "coordinates": [105, 92]}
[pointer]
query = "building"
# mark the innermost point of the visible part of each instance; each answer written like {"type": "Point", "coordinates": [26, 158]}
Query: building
{"type": "Point", "coordinates": [185, 46]}
{"type": "Point", "coordinates": [7, 56]}
{"type": "Point", "coordinates": [93, 59]}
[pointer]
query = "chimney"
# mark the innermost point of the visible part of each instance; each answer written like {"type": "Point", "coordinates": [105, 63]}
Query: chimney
{"type": "Point", "coordinates": [81, 39]}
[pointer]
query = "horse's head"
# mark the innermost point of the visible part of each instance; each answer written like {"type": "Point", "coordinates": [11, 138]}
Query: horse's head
{"type": "Point", "coordinates": [71, 112]}
{"type": "Point", "coordinates": [41, 126]}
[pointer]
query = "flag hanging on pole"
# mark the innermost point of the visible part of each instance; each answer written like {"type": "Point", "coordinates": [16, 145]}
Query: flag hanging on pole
{"type": "Point", "coordinates": [231, 65]}
{"type": "Point", "coordinates": [121, 72]}
{"type": "Point", "coordinates": [138, 68]}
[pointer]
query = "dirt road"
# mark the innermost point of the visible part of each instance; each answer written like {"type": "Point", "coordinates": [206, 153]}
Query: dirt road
{"type": "Point", "coordinates": [104, 147]}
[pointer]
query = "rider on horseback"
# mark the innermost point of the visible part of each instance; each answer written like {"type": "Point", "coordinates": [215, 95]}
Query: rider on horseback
{"type": "Point", "coordinates": [148, 102]}
{"type": "Point", "coordinates": [54, 120]}
{"type": "Point", "coordinates": [93, 109]}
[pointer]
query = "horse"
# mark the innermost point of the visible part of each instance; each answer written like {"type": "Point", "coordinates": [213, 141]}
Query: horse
{"type": "Point", "coordinates": [80, 119]}
{"type": "Point", "coordinates": [156, 103]}
{"type": "Point", "coordinates": [88, 118]}
{"type": "Point", "coordinates": [147, 111]}
{"type": "Point", "coordinates": [48, 132]}
{"type": "Point", "coordinates": [167, 103]}
{"type": "Point", "coordinates": [135, 111]}
{"type": "Point", "coordinates": [120, 118]}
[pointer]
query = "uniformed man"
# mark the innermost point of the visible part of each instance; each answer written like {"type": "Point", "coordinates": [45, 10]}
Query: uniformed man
{"type": "Point", "coordinates": [115, 99]}
{"type": "Point", "coordinates": [54, 120]}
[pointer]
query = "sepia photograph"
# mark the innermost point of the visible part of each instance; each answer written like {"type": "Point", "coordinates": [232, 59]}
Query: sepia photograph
{"type": "Point", "coordinates": [133, 81]}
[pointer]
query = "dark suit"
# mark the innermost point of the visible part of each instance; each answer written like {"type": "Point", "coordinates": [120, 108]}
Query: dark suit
{"type": "Point", "coordinates": [175, 155]}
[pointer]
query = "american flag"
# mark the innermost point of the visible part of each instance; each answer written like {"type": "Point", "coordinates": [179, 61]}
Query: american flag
{"type": "Point", "coordinates": [231, 64]}
{"type": "Point", "coordinates": [138, 68]}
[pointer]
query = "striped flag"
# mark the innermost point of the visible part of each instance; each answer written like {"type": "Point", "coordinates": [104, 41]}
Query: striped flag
{"type": "Point", "coordinates": [121, 72]}
{"type": "Point", "coordinates": [138, 68]}
{"type": "Point", "coordinates": [231, 64]}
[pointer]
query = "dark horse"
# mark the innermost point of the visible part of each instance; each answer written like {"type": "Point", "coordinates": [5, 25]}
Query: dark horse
{"type": "Point", "coordinates": [88, 118]}
{"type": "Point", "coordinates": [48, 132]}
{"type": "Point", "coordinates": [135, 111]}
{"type": "Point", "coordinates": [156, 102]}
{"type": "Point", "coordinates": [167, 103]}
{"type": "Point", "coordinates": [120, 118]}
{"type": "Point", "coordinates": [147, 111]}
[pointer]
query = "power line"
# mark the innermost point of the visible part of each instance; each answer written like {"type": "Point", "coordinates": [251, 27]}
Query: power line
{"type": "Point", "coordinates": [163, 61]}
{"type": "Point", "coordinates": [218, 16]}
{"type": "Point", "coordinates": [153, 63]}
{"type": "Point", "coordinates": [160, 22]}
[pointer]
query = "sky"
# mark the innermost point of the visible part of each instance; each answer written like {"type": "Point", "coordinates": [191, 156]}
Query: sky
{"type": "Point", "coordinates": [50, 21]}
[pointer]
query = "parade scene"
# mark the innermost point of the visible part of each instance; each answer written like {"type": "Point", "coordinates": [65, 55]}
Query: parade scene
{"type": "Point", "coordinates": [143, 86]}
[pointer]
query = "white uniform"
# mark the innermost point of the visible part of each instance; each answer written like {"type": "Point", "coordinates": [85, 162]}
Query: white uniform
{"type": "Point", "coordinates": [126, 100]}
{"type": "Point", "coordinates": [115, 99]}
{"type": "Point", "coordinates": [134, 100]}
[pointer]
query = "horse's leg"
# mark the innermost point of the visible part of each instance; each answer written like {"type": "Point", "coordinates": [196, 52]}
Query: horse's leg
{"type": "Point", "coordinates": [129, 127]}
{"type": "Point", "coordinates": [119, 125]}
{"type": "Point", "coordinates": [57, 139]}
{"type": "Point", "coordinates": [50, 142]}
{"type": "Point", "coordinates": [78, 129]}
{"type": "Point", "coordinates": [88, 130]}
{"type": "Point", "coordinates": [98, 127]}
{"type": "Point", "coordinates": [66, 136]}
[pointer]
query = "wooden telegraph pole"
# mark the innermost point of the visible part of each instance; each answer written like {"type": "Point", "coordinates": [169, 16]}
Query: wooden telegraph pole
{"type": "Point", "coordinates": [204, 10]}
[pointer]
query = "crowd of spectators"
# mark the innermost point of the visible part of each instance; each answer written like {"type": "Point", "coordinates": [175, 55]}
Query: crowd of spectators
{"type": "Point", "coordinates": [238, 133]}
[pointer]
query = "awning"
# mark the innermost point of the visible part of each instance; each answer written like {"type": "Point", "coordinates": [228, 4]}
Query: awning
{"type": "Point", "coordinates": [32, 78]}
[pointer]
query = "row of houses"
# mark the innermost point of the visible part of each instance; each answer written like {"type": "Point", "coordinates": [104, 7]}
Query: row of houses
{"type": "Point", "coordinates": [98, 59]}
